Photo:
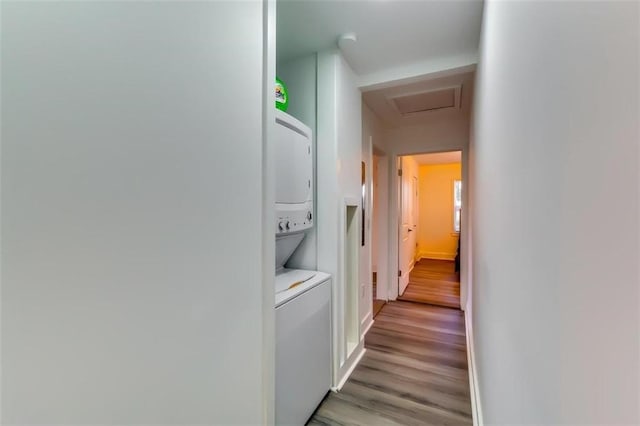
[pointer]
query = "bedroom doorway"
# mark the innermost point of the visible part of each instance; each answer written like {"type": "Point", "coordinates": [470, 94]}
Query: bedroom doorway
{"type": "Point", "coordinates": [429, 228]}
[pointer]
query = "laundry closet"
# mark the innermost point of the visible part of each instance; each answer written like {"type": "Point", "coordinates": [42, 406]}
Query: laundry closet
{"type": "Point", "coordinates": [302, 297]}
{"type": "Point", "coordinates": [317, 150]}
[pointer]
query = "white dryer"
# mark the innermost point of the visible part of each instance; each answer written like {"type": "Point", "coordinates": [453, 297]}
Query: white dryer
{"type": "Point", "coordinates": [294, 175]}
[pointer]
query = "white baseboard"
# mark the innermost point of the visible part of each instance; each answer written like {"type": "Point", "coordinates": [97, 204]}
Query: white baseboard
{"type": "Point", "coordinates": [436, 255]}
{"type": "Point", "coordinates": [366, 325]}
{"type": "Point", "coordinates": [413, 265]}
{"type": "Point", "coordinates": [350, 370]}
{"type": "Point", "coordinates": [476, 408]}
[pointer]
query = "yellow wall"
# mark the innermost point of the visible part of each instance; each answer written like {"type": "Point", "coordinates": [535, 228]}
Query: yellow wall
{"type": "Point", "coordinates": [436, 237]}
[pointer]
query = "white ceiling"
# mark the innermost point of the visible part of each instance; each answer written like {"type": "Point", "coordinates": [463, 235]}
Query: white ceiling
{"type": "Point", "coordinates": [438, 158]}
{"type": "Point", "coordinates": [390, 33]}
{"type": "Point", "coordinates": [380, 100]}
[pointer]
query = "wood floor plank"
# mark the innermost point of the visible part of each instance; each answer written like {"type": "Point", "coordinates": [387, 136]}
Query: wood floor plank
{"type": "Point", "coordinates": [452, 376]}
{"type": "Point", "coordinates": [415, 389]}
{"type": "Point", "coordinates": [343, 410]}
{"type": "Point", "coordinates": [399, 408]}
{"type": "Point", "coordinates": [434, 282]}
{"type": "Point", "coordinates": [413, 373]}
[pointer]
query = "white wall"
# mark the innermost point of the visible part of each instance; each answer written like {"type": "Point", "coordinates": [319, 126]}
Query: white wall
{"type": "Point", "coordinates": [437, 238]}
{"type": "Point", "coordinates": [382, 252]}
{"type": "Point", "coordinates": [434, 135]}
{"type": "Point", "coordinates": [339, 156]}
{"type": "Point", "coordinates": [366, 274]}
{"type": "Point", "coordinates": [299, 75]}
{"type": "Point", "coordinates": [372, 129]}
{"type": "Point", "coordinates": [555, 274]}
{"type": "Point", "coordinates": [129, 129]}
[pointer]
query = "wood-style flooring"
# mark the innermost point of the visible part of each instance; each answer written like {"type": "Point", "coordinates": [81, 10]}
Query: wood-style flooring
{"type": "Point", "coordinates": [434, 282]}
{"type": "Point", "coordinates": [414, 372]}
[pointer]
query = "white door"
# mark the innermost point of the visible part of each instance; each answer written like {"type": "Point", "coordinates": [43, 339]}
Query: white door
{"type": "Point", "coordinates": [408, 219]}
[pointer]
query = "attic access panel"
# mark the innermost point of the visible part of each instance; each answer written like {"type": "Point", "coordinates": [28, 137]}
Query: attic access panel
{"type": "Point", "coordinates": [409, 105]}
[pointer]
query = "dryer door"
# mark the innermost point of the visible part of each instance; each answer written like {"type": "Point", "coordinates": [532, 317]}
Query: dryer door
{"type": "Point", "coordinates": [294, 166]}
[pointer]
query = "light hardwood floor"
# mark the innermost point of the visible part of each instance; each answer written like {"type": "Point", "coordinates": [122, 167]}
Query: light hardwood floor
{"type": "Point", "coordinates": [434, 282]}
{"type": "Point", "coordinates": [413, 373]}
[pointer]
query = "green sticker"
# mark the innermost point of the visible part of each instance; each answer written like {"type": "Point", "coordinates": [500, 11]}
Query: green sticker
{"type": "Point", "coordinates": [282, 97]}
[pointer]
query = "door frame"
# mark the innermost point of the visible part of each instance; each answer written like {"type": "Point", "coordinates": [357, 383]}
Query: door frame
{"type": "Point", "coordinates": [394, 222]}
{"type": "Point", "coordinates": [383, 197]}
{"type": "Point", "coordinates": [398, 228]}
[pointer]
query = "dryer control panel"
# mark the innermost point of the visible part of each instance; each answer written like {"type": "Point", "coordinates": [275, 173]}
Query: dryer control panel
{"type": "Point", "coordinates": [293, 221]}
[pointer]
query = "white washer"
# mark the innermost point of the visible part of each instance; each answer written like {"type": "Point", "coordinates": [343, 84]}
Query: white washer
{"type": "Point", "coordinates": [303, 344]}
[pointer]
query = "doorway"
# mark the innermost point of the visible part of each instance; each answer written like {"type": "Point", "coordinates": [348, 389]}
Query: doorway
{"type": "Point", "coordinates": [378, 236]}
{"type": "Point", "coordinates": [379, 271]}
{"type": "Point", "coordinates": [429, 228]}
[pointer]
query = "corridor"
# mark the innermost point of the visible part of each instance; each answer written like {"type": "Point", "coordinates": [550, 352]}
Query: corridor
{"type": "Point", "coordinates": [414, 372]}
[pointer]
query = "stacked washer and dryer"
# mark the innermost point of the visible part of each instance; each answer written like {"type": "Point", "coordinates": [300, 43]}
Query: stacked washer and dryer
{"type": "Point", "coordinates": [303, 298]}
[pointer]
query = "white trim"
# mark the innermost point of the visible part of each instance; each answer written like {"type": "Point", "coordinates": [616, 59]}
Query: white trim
{"type": "Point", "coordinates": [394, 218]}
{"type": "Point", "coordinates": [368, 320]}
{"type": "Point", "coordinates": [268, 212]}
{"type": "Point", "coordinates": [343, 319]}
{"type": "Point", "coordinates": [368, 279]}
{"type": "Point", "coordinates": [436, 255]}
{"type": "Point", "coordinates": [349, 371]}
{"type": "Point", "coordinates": [399, 115]}
{"type": "Point", "coordinates": [476, 408]}
{"type": "Point", "coordinates": [382, 259]}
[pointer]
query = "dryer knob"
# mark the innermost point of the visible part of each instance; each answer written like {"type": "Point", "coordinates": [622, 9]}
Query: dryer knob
{"type": "Point", "coordinates": [287, 225]}
{"type": "Point", "coordinates": [309, 216]}
{"type": "Point", "coordinates": [281, 226]}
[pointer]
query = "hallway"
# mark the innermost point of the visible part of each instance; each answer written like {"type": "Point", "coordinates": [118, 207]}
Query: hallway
{"type": "Point", "coordinates": [414, 372]}
{"type": "Point", "coordinates": [434, 282]}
